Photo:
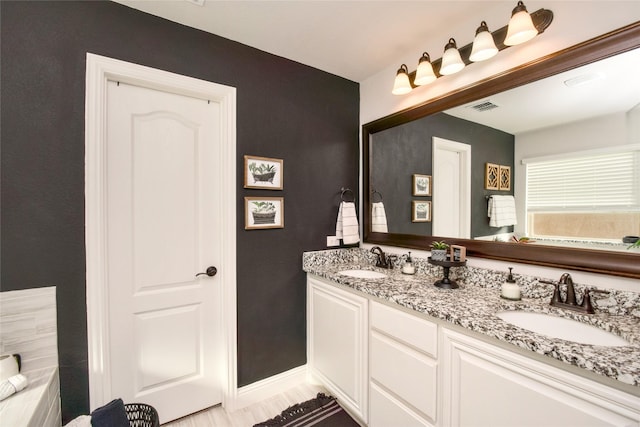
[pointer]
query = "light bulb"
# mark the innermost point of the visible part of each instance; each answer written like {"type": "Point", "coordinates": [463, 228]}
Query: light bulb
{"type": "Point", "coordinates": [451, 59]}
{"type": "Point", "coordinates": [521, 28]}
{"type": "Point", "coordinates": [402, 85]}
{"type": "Point", "coordinates": [424, 73]}
{"type": "Point", "coordinates": [484, 47]}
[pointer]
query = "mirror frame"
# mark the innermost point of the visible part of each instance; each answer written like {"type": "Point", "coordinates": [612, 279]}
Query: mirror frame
{"type": "Point", "coordinates": [613, 263]}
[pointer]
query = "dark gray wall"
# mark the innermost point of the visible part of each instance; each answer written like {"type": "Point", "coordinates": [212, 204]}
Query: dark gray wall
{"type": "Point", "coordinates": [400, 152]}
{"type": "Point", "coordinates": [285, 110]}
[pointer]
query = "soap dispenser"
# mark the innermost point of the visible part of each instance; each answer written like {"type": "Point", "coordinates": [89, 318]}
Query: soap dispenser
{"type": "Point", "coordinates": [408, 267]}
{"type": "Point", "coordinates": [510, 289]}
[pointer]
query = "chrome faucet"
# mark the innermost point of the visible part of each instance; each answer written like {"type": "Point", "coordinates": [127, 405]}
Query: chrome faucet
{"type": "Point", "coordinates": [383, 261]}
{"type": "Point", "coordinates": [569, 301]}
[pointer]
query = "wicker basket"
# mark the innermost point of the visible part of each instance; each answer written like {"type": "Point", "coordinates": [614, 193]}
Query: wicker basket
{"type": "Point", "coordinates": [142, 415]}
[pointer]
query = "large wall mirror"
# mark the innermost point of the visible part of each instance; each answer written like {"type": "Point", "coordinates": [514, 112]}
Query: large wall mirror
{"type": "Point", "coordinates": [428, 164]}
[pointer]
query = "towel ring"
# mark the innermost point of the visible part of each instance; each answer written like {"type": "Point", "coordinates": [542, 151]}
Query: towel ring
{"type": "Point", "coordinates": [345, 191]}
{"type": "Point", "coordinates": [373, 196]}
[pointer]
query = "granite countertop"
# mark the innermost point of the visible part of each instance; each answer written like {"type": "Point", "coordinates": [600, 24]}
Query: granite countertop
{"type": "Point", "coordinates": [474, 308]}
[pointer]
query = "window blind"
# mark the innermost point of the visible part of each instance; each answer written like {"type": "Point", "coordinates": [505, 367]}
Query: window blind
{"type": "Point", "coordinates": [604, 182]}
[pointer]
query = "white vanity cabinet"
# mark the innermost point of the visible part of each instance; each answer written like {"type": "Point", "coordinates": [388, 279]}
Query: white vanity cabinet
{"type": "Point", "coordinates": [403, 366]}
{"type": "Point", "coordinates": [486, 385]}
{"type": "Point", "coordinates": [390, 367]}
{"type": "Point", "coordinates": [337, 326]}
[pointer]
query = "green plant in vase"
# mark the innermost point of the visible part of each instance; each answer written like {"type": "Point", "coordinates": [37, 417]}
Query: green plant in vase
{"type": "Point", "coordinates": [439, 251]}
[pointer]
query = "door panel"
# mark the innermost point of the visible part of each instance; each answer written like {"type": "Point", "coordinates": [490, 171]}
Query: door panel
{"type": "Point", "coordinates": [171, 334]}
{"type": "Point", "coordinates": [165, 180]}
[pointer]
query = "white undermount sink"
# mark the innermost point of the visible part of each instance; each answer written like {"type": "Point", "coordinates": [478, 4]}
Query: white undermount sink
{"type": "Point", "coordinates": [363, 274]}
{"type": "Point", "coordinates": [559, 327]}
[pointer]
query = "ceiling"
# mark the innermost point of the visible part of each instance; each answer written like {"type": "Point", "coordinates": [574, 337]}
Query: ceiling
{"type": "Point", "coordinates": [350, 39]}
{"type": "Point", "coordinates": [357, 39]}
{"type": "Point", "coordinates": [601, 88]}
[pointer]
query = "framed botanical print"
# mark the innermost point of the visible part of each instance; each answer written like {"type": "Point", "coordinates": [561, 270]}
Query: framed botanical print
{"type": "Point", "coordinates": [263, 172]}
{"type": "Point", "coordinates": [421, 185]}
{"type": "Point", "coordinates": [263, 212]}
{"type": "Point", "coordinates": [420, 211]}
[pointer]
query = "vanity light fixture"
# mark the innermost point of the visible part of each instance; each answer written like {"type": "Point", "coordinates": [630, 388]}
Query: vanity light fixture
{"type": "Point", "coordinates": [484, 47]}
{"type": "Point", "coordinates": [402, 84]}
{"type": "Point", "coordinates": [424, 73]}
{"type": "Point", "coordinates": [521, 28]}
{"type": "Point", "coordinates": [451, 60]}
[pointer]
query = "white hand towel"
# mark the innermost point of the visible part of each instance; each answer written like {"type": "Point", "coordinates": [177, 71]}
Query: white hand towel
{"type": "Point", "coordinates": [502, 211]}
{"type": "Point", "coordinates": [378, 218]}
{"type": "Point", "coordinates": [347, 224]}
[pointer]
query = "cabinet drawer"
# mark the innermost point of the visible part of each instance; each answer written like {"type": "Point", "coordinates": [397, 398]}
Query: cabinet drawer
{"type": "Point", "coordinates": [411, 330]}
{"type": "Point", "coordinates": [386, 411]}
{"type": "Point", "coordinates": [407, 374]}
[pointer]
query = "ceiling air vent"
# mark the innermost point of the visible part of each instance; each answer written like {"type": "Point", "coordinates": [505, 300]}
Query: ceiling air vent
{"type": "Point", "coordinates": [483, 106]}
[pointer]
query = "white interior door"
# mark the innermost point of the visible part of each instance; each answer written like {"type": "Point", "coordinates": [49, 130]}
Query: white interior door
{"type": "Point", "coordinates": [451, 205]}
{"type": "Point", "coordinates": [163, 202]}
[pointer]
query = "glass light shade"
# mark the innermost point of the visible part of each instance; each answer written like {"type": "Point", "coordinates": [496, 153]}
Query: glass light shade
{"type": "Point", "coordinates": [484, 47]}
{"type": "Point", "coordinates": [424, 73]}
{"type": "Point", "coordinates": [451, 59]}
{"type": "Point", "coordinates": [521, 28]}
{"type": "Point", "coordinates": [401, 85]}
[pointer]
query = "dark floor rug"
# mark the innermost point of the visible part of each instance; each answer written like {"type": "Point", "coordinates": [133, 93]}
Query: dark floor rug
{"type": "Point", "coordinates": [323, 411]}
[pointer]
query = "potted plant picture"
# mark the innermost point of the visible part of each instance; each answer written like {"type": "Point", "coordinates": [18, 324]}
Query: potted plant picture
{"type": "Point", "coordinates": [263, 213]}
{"type": "Point", "coordinates": [421, 185]}
{"type": "Point", "coordinates": [263, 172]}
{"type": "Point", "coordinates": [420, 211]}
{"type": "Point", "coordinates": [439, 251]}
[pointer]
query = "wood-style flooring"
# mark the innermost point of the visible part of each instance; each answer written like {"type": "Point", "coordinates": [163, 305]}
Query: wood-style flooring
{"type": "Point", "coordinates": [247, 417]}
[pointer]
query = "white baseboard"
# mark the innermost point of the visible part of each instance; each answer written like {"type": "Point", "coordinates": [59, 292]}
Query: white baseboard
{"type": "Point", "coordinates": [266, 388]}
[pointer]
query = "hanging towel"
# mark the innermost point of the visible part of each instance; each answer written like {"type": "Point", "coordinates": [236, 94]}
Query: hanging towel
{"type": "Point", "coordinates": [347, 225]}
{"type": "Point", "coordinates": [378, 218]}
{"type": "Point", "coordinates": [502, 211]}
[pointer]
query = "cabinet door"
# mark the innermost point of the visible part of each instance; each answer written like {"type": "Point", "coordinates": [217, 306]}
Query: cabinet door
{"type": "Point", "coordinates": [337, 343]}
{"type": "Point", "coordinates": [485, 385]}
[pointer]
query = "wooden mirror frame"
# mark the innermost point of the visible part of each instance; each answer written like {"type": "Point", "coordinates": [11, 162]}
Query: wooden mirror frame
{"type": "Point", "coordinates": [613, 263]}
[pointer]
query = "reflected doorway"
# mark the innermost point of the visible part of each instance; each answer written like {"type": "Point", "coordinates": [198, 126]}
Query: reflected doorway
{"type": "Point", "coordinates": [451, 189]}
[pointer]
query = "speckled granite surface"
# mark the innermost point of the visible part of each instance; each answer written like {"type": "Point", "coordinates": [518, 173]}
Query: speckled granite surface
{"type": "Point", "coordinates": [474, 306]}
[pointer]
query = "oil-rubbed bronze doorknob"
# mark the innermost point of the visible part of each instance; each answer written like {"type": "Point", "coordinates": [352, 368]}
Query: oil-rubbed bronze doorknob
{"type": "Point", "coordinates": [211, 271]}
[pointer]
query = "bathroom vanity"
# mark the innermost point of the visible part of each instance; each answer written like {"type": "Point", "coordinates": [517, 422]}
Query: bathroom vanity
{"type": "Point", "coordinates": [395, 350]}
